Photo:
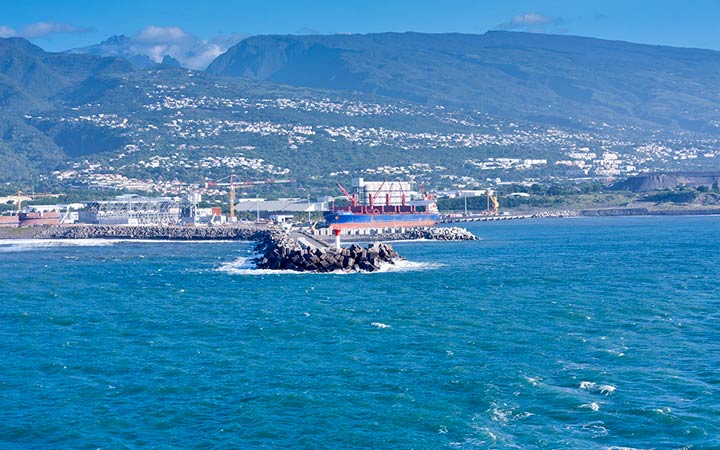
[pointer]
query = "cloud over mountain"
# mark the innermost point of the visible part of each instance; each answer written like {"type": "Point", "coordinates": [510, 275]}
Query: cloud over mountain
{"type": "Point", "coordinates": [41, 29]}
{"type": "Point", "coordinates": [6, 31]}
{"type": "Point", "coordinates": [533, 22]}
{"type": "Point", "coordinates": [153, 43]}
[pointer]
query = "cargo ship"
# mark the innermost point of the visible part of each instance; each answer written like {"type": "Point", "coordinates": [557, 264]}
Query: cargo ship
{"type": "Point", "coordinates": [394, 211]}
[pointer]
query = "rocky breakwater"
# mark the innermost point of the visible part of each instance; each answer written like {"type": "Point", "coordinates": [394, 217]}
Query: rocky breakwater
{"type": "Point", "coordinates": [154, 232]}
{"type": "Point", "coordinates": [555, 214]}
{"type": "Point", "coordinates": [440, 234]}
{"type": "Point", "coordinates": [284, 253]}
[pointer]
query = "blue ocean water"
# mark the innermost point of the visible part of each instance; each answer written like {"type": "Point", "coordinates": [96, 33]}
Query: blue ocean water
{"type": "Point", "coordinates": [576, 333]}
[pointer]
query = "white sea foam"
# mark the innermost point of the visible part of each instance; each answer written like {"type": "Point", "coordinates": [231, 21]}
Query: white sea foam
{"type": "Point", "coordinates": [245, 266]}
{"type": "Point", "coordinates": [407, 266]}
{"type": "Point", "coordinates": [490, 434]}
{"type": "Point", "coordinates": [592, 406]}
{"type": "Point", "coordinates": [22, 245]}
{"type": "Point", "coordinates": [605, 389]}
{"type": "Point", "coordinates": [596, 428]}
{"type": "Point", "coordinates": [500, 415]}
{"type": "Point", "coordinates": [504, 413]}
{"type": "Point", "coordinates": [380, 325]}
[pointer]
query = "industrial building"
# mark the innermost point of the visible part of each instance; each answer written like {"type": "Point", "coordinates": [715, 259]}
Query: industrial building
{"type": "Point", "coordinates": [35, 215]}
{"type": "Point", "coordinates": [12, 221]}
{"type": "Point", "coordinates": [133, 209]}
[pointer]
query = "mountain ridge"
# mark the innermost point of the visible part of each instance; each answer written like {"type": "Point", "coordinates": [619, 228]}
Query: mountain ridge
{"type": "Point", "coordinates": [95, 119]}
{"type": "Point", "coordinates": [118, 46]}
{"type": "Point", "coordinates": [528, 75]}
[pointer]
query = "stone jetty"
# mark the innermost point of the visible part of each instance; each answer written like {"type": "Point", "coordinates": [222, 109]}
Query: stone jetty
{"type": "Point", "coordinates": [286, 253]}
{"type": "Point", "coordinates": [242, 233]}
{"type": "Point", "coordinates": [439, 234]}
{"type": "Point", "coordinates": [405, 234]}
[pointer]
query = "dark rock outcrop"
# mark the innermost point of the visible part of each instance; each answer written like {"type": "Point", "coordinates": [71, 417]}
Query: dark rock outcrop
{"type": "Point", "coordinates": [279, 252]}
{"type": "Point", "coordinates": [659, 181]}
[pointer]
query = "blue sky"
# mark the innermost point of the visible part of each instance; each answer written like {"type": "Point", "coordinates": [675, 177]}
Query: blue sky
{"type": "Point", "coordinates": [61, 24]}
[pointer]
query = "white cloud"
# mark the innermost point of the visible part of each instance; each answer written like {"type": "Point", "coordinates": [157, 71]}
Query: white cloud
{"type": "Point", "coordinates": [529, 19]}
{"type": "Point", "coordinates": [192, 51]}
{"type": "Point", "coordinates": [227, 40]}
{"type": "Point", "coordinates": [165, 35]}
{"type": "Point", "coordinates": [6, 31]}
{"type": "Point", "coordinates": [531, 22]}
{"type": "Point", "coordinates": [41, 29]}
{"type": "Point", "coordinates": [152, 41]}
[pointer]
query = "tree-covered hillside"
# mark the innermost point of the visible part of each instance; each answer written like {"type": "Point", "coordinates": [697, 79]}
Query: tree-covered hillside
{"type": "Point", "coordinates": [560, 80]}
{"type": "Point", "coordinates": [73, 120]}
{"type": "Point", "coordinates": [32, 81]}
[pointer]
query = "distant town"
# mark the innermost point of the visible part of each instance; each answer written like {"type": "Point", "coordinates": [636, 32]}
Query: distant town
{"type": "Point", "coordinates": [196, 132]}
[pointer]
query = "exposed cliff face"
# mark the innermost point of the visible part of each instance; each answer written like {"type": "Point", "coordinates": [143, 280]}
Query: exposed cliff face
{"type": "Point", "coordinates": [658, 181]}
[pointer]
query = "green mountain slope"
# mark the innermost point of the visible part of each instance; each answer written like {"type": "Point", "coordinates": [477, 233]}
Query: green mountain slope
{"type": "Point", "coordinates": [82, 120]}
{"type": "Point", "coordinates": [546, 78]}
{"type": "Point", "coordinates": [32, 80]}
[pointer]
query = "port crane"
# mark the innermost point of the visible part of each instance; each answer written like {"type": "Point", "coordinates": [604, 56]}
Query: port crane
{"type": "Point", "coordinates": [233, 183]}
{"type": "Point", "coordinates": [493, 205]}
{"type": "Point", "coordinates": [351, 198]}
{"type": "Point", "coordinates": [374, 196]}
{"type": "Point", "coordinates": [403, 197]}
{"type": "Point", "coordinates": [23, 196]}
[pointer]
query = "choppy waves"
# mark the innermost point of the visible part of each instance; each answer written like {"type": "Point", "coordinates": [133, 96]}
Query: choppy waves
{"type": "Point", "coordinates": [23, 245]}
{"type": "Point", "coordinates": [540, 336]}
{"type": "Point", "coordinates": [245, 265]}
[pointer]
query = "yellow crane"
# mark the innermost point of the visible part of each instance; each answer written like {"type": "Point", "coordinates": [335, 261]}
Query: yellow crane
{"type": "Point", "coordinates": [22, 197]}
{"type": "Point", "coordinates": [233, 183]}
{"type": "Point", "coordinates": [493, 205]}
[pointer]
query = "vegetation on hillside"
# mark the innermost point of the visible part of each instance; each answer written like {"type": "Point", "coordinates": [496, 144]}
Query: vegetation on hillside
{"type": "Point", "coordinates": [449, 111]}
{"type": "Point", "coordinates": [559, 80]}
